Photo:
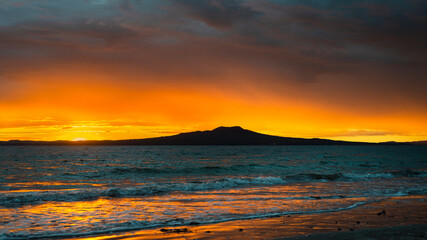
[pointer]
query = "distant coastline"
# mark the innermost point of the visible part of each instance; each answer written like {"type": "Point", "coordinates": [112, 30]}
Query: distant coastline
{"type": "Point", "coordinates": [218, 136]}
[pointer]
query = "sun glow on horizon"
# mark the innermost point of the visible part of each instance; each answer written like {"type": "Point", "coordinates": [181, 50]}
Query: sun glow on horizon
{"type": "Point", "coordinates": [78, 139]}
{"type": "Point", "coordinates": [123, 113]}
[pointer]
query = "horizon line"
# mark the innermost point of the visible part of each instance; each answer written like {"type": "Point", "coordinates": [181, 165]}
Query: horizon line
{"type": "Point", "coordinates": [80, 140]}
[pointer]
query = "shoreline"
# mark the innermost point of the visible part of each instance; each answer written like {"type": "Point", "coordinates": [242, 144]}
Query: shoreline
{"type": "Point", "coordinates": [399, 217]}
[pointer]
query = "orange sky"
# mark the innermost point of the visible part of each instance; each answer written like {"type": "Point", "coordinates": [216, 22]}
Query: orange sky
{"type": "Point", "coordinates": [126, 72]}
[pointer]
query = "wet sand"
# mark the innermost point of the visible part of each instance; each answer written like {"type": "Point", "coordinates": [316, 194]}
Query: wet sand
{"type": "Point", "coordinates": [394, 218]}
{"type": "Point", "coordinates": [390, 233]}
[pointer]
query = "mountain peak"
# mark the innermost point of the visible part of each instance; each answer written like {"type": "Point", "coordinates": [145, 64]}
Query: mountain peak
{"type": "Point", "coordinates": [234, 128]}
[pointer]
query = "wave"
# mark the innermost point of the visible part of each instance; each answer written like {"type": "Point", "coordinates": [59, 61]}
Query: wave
{"type": "Point", "coordinates": [305, 177]}
{"type": "Point", "coordinates": [189, 170]}
{"type": "Point", "coordinates": [410, 173]}
{"type": "Point", "coordinates": [13, 199]}
{"type": "Point", "coordinates": [22, 198]}
{"type": "Point", "coordinates": [256, 168]}
{"type": "Point", "coordinates": [356, 176]}
{"type": "Point", "coordinates": [314, 176]}
{"type": "Point", "coordinates": [38, 196]}
{"type": "Point", "coordinates": [391, 174]}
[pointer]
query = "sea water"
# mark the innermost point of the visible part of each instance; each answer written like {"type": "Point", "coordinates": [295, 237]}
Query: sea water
{"type": "Point", "coordinates": [65, 191]}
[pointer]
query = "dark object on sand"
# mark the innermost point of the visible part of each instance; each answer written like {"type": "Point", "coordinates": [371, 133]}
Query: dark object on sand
{"type": "Point", "coordinates": [176, 230]}
{"type": "Point", "coordinates": [383, 212]}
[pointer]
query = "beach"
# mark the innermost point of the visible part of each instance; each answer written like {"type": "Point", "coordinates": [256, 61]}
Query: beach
{"type": "Point", "coordinates": [394, 218]}
{"type": "Point", "coordinates": [208, 192]}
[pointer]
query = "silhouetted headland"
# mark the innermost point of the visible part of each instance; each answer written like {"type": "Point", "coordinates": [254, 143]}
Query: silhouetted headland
{"type": "Point", "coordinates": [218, 136]}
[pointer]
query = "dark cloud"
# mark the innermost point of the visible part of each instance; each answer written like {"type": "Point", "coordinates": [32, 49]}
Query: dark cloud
{"type": "Point", "coordinates": [336, 37]}
{"type": "Point", "coordinates": [375, 9]}
{"type": "Point", "coordinates": [217, 13]}
{"type": "Point", "coordinates": [372, 47]}
{"type": "Point", "coordinates": [66, 33]}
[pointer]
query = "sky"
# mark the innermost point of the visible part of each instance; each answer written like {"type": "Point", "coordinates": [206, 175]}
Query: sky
{"type": "Point", "coordinates": [122, 69]}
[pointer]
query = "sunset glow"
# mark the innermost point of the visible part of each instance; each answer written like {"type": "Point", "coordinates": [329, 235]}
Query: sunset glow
{"type": "Point", "coordinates": [79, 139]}
{"type": "Point", "coordinates": [77, 70]}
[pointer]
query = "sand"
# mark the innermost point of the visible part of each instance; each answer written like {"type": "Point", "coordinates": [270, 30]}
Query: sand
{"type": "Point", "coordinates": [394, 218]}
{"type": "Point", "coordinates": [390, 233]}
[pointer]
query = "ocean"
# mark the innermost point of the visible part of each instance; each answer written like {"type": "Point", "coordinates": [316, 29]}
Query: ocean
{"type": "Point", "coordinates": [69, 191]}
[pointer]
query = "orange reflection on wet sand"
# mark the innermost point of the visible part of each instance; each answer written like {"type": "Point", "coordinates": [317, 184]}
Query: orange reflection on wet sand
{"type": "Point", "coordinates": [111, 213]}
{"type": "Point", "coordinates": [400, 211]}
